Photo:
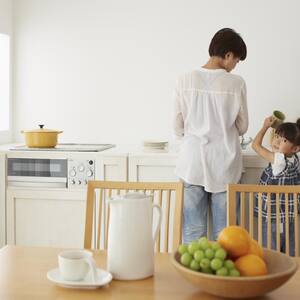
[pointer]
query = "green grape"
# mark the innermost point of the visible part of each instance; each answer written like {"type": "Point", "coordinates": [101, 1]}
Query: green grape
{"type": "Point", "coordinates": [234, 273]}
{"type": "Point", "coordinates": [215, 246]}
{"type": "Point", "coordinates": [186, 259]}
{"type": "Point", "coordinates": [204, 243]}
{"type": "Point", "coordinates": [222, 272]}
{"type": "Point", "coordinates": [198, 255]}
{"type": "Point", "coordinates": [182, 248]}
{"type": "Point", "coordinates": [229, 264]}
{"type": "Point", "coordinates": [204, 263]}
{"type": "Point", "coordinates": [193, 247]}
{"type": "Point", "coordinates": [216, 264]}
{"type": "Point", "coordinates": [209, 253]}
{"type": "Point", "coordinates": [202, 239]}
{"type": "Point", "coordinates": [194, 265]}
{"type": "Point", "coordinates": [220, 253]}
{"type": "Point", "coordinates": [207, 270]}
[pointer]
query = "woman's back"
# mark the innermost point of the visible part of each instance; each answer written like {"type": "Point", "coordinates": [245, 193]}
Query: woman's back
{"type": "Point", "coordinates": [214, 112]}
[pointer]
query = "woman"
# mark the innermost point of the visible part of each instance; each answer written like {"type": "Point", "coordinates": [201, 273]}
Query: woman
{"type": "Point", "coordinates": [210, 114]}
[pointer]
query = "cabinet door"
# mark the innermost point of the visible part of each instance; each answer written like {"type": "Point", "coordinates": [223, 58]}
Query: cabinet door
{"type": "Point", "coordinates": [253, 168]}
{"type": "Point", "coordinates": [45, 218]}
{"type": "Point", "coordinates": [151, 169]}
{"type": "Point", "coordinates": [251, 175]}
{"type": "Point", "coordinates": [156, 169]}
{"type": "Point", "coordinates": [112, 168]}
{"type": "Point", "coordinates": [2, 200]}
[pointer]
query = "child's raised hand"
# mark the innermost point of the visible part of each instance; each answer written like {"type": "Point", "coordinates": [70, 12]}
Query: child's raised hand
{"type": "Point", "coordinates": [268, 122]}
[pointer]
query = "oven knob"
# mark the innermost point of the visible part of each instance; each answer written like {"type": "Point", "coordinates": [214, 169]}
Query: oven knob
{"type": "Point", "coordinates": [85, 182]}
{"type": "Point", "coordinates": [72, 181]}
{"type": "Point", "coordinates": [81, 168]}
{"type": "Point", "coordinates": [72, 172]}
{"type": "Point", "coordinates": [89, 173]}
{"type": "Point", "coordinates": [79, 181]}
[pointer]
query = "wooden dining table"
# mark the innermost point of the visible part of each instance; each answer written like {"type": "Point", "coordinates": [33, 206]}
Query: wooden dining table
{"type": "Point", "coordinates": [23, 276]}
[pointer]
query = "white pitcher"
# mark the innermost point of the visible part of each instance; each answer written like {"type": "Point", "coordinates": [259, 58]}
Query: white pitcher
{"type": "Point", "coordinates": [130, 253]}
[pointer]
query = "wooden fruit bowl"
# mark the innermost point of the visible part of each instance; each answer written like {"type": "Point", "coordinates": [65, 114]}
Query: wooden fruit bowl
{"type": "Point", "coordinates": [280, 268]}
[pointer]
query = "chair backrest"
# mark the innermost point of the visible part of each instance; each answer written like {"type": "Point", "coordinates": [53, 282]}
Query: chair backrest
{"type": "Point", "coordinates": [168, 195]}
{"type": "Point", "coordinates": [241, 202]}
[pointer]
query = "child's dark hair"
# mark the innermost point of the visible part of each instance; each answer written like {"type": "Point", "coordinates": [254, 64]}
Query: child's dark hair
{"type": "Point", "coordinates": [227, 40]}
{"type": "Point", "coordinates": [290, 131]}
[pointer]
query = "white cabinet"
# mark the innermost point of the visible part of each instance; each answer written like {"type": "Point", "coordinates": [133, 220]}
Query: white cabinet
{"type": "Point", "coordinates": [112, 167]}
{"type": "Point", "coordinates": [2, 200]}
{"type": "Point", "coordinates": [253, 168]}
{"type": "Point", "coordinates": [152, 167]}
{"type": "Point", "coordinates": [55, 217]}
{"type": "Point", "coordinates": [45, 217]}
{"type": "Point", "coordinates": [160, 167]}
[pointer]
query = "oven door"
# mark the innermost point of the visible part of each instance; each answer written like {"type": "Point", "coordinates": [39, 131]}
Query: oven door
{"type": "Point", "coordinates": [37, 172]}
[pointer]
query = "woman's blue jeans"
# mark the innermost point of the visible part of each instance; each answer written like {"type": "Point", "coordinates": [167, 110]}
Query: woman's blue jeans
{"type": "Point", "coordinates": [195, 209]}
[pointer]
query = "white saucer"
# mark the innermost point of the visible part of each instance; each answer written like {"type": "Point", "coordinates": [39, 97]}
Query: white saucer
{"type": "Point", "coordinates": [103, 278]}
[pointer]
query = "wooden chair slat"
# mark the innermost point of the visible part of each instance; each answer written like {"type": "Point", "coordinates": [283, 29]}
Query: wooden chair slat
{"type": "Point", "coordinates": [269, 221]}
{"type": "Point", "coordinates": [278, 221]}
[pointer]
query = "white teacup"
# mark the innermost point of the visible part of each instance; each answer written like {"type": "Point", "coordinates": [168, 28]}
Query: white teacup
{"type": "Point", "coordinates": [75, 264]}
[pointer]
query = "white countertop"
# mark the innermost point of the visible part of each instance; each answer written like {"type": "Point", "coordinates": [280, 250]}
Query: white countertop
{"type": "Point", "coordinates": [250, 157]}
{"type": "Point", "coordinates": [129, 149]}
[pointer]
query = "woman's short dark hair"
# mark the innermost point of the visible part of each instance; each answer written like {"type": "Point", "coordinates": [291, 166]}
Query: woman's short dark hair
{"type": "Point", "coordinates": [290, 131]}
{"type": "Point", "coordinates": [227, 40]}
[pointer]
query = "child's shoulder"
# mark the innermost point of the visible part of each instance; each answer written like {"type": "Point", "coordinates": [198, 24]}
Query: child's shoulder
{"type": "Point", "coordinates": [279, 163]}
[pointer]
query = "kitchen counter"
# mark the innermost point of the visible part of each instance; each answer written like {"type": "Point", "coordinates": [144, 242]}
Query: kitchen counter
{"type": "Point", "coordinates": [250, 158]}
{"type": "Point", "coordinates": [56, 205]}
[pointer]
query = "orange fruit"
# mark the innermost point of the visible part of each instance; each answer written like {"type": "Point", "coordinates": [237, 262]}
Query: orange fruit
{"type": "Point", "coordinates": [256, 249]}
{"type": "Point", "coordinates": [235, 240]}
{"type": "Point", "coordinates": [251, 265]}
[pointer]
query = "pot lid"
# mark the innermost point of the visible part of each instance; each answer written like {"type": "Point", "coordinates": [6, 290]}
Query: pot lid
{"type": "Point", "coordinates": [41, 129]}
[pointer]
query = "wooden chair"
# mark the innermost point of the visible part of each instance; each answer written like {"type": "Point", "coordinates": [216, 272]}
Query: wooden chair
{"type": "Point", "coordinates": [168, 195]}
{"type": "Point", "coordinates": [244, 215]}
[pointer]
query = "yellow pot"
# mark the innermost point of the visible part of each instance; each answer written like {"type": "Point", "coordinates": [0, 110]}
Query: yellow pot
{"type": "Point", "coordinates": [41, 138]}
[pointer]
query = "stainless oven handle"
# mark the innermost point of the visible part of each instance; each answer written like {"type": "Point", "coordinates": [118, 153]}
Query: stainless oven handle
{"type": "Point", "coordinates": [36, 179]}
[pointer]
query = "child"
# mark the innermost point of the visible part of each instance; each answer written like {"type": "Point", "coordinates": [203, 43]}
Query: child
{"type": "Point", "coordinates": [283, 169]}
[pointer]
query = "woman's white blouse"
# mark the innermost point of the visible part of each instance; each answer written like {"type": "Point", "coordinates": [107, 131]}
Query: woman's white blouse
{"type": "Point", "coordinates": [210, 114]}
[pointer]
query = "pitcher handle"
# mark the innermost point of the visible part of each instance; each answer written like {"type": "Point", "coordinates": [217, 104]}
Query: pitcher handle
{"type": "Point", "coordinates": [158, 223]}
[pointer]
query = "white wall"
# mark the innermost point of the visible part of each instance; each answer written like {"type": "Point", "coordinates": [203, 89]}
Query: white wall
{"type": "Point", "coordinates": [6, 28]}
{"type": "Point", "coordinates": [104, 71]}
{"type": "Point", "coordinates": [6, 16]}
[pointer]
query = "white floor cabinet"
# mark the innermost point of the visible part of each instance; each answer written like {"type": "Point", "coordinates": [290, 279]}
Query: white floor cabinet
{"type": "Point", "coordinates": [152, 167]}
{"type": "Point", "coordinates": [45, 218]}
{"type": "Point", "coordinates": [56, 217]}
{"type": "Point", "coordinates": [51, 217]}
{"type": "Point", "coordinates": [160, 167]}
{"type": "Point", "coordinates": [2, 199]}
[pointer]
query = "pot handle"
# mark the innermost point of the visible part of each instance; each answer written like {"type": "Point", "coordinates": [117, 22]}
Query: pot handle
{"type": "Point", "coordinates": [157, 228]}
